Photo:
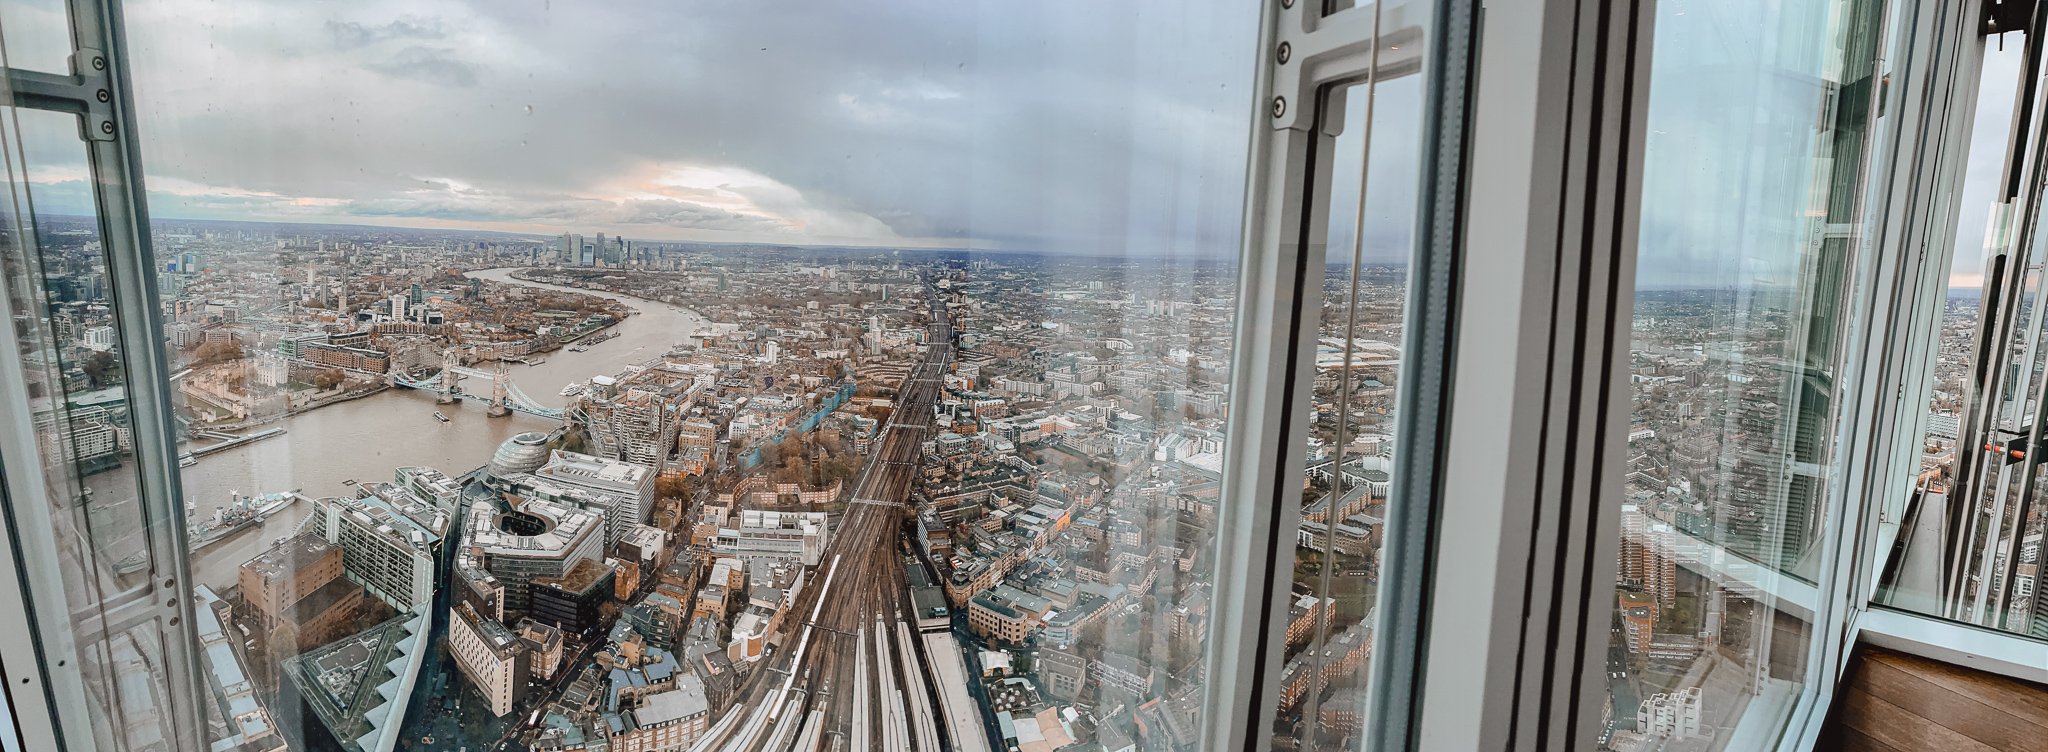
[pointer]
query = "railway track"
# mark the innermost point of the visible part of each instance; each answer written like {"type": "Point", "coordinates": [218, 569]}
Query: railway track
{"type": "Point", "coordinates": [847, 677]}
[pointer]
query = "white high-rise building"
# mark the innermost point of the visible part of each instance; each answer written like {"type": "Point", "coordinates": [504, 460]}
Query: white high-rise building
{"type": "Point", "coordinates": [490, 655]}
{"type": "Point", "coordinates": [99, 338]}
{"type": "Point", "coordinates": [622, 491]}
{"type": "Point", "coordinates": [390, 546]}
{"type": "Point", "coordinates": [1674, 716]}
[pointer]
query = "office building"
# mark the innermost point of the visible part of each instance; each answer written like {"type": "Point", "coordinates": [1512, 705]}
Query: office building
{"type": "Point", "coordinates": [762, 534]}
{"type": "Point", "coordinates": [1005, 613]}
{"type": "Point", "coordinates": [296, 567]}
{"type": "Point", "coordinates": [514, 545]}
{"type": "Point", "coordinates": [493, 658]}
{"type": "Point", "coordinates": [622, 492]}
{"type": "Point", "coordinates": [668, 720]}
{"type": "Point", "coordinates": [390, 542]}
{"type": "Point", "coordinates": [574, 600]}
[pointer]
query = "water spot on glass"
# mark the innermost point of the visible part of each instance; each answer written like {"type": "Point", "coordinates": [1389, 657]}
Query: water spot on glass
{"type": "Point", "coordinates": [529, 109]}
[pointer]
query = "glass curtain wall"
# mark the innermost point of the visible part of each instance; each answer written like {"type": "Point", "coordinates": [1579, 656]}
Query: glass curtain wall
{"type": "Point", "coordinates": [1913, 575]}
{"type": "Point", "coordinates": [1990, 524]}
{"type": "Point", "coordinates": [1751, 212]}
{"type": "Point", "coordinates": [82, 537]}
{"type": "Point", "coordinates": [767, 376]}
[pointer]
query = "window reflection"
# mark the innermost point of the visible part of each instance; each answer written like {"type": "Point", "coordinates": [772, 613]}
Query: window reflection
{"type": "Point", "coordinates": [1749, 218]}
{"type": "Point", "coordinates": [72, 359]}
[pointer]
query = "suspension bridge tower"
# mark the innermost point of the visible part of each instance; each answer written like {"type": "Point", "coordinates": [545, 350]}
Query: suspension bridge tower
{"type": "Point", "coordinates": [447, 377]}
{"type": "Point", "coordinates": [501, 386]}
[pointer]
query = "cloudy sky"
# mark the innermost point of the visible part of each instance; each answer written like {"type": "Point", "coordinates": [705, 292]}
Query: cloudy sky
{"type": "Point", "coordinates": [1987, 160]}
{"type": "Point", "coordinates": [1063, 126]}
{"type": "Point", "coordinates": [1059, 126]}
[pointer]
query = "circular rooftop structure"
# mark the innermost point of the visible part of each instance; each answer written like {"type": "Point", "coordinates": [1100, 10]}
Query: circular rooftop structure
{"type": "Point", "coordinates": [523, 453]}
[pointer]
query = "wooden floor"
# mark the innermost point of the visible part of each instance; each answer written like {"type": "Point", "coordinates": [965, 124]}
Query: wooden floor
{"type": "Point", "coordinates": [1895, 702]}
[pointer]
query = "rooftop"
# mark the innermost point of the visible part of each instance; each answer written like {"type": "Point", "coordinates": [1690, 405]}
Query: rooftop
{"type": "Point", "coordinates": [290, 555]}
{"type": "Point", "coordinates": [686, 700]}
{"type": "Point", "coordinates": [580, 578]}
{"type": "Point", "coordinates": [319, 601]}
{"type": "Point", "coordinates": [562, 526]}
{"type": "Point", "coordinates": [584, 469]}
{"type": "Point", "coordinates": [348, 682]}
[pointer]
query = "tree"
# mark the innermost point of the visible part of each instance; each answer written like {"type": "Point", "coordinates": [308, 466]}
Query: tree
{"type": "Point", "coordinates": [836, 469]}
{"type": "Point", "coordinates": [328, 378]}
{"type": "Point", "coordinates": [673, 487]}
{"type": "Point", "coordinates": [217, 352]}
{"type": "Point", "coordinates": [100, 368]}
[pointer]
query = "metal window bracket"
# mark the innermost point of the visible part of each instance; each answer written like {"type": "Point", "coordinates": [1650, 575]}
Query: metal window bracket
{"type": "Point", "coordinates": [97, 92]}
{"type": "Point", "coordinates": [87, 92]}
{"type": "Point", "coordinates": [1312, 51]}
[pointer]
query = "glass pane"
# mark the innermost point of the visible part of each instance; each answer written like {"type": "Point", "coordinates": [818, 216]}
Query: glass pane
{"type": "Point", "coordinates": [37, 34]}
{"type": "Point", "coordinates": [852, 371]}
{"type": "Point", "coordinates": [72, 360]}
{"type": "Point", "coordinates": [1751, 209]}
{"type": "Point", "coordinates": [1351, 441]}
{"type": "Point", "coordinates": [1969, 543]}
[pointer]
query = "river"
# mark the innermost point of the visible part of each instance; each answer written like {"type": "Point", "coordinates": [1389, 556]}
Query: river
{"type": "Point", "coordinates": [366, 439]}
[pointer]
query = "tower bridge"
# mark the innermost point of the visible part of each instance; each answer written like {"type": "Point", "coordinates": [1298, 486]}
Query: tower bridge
{"type": "Point", "coordinates": [505, 397]}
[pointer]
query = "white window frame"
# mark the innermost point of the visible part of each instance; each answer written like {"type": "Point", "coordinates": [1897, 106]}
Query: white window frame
{"type": "Point", "coordinates": [1304, 54]}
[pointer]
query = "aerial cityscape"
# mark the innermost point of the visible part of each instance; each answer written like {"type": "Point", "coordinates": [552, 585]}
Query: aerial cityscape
{"type": "Point", "coordinates": [589, 493]}
{"type": "Point", "coordinates": [860, 378]}
{"type": "Point", "coordinates": [460, 489]}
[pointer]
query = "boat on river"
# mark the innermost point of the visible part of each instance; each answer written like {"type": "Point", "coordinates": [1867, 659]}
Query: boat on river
{"type": "Point", "coordinates": [440, 416]}
{"type": "Point", "coordinates": [242, 513]}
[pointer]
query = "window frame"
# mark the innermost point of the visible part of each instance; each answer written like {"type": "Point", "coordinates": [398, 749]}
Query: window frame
{"type": "Point", "coordinates": [1547, 285]}
{"type": "Point", "coordinates": [1284, 254]}
{"type": "Point", "coordinates": [1940, 55]}
{"type": "Point", "coordinates": [96, 91]}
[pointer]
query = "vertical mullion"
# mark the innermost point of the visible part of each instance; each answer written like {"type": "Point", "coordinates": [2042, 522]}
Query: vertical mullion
{"type": "Point", "coordinates": [1258, 453]}
{"type": "Point", "coordinates": [1423, 403]}
{"type": "Point", "coordinates": [1518, 628]}
{"type": "Point", "coordinates": [1333, 103]}
{"type": "Point", "coordinates": [124, 231]}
